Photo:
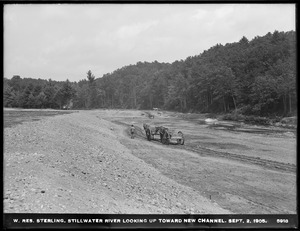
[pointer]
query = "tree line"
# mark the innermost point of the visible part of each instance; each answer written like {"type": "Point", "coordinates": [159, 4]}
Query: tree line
{"type": "Point", "coordinates": [256, 77]}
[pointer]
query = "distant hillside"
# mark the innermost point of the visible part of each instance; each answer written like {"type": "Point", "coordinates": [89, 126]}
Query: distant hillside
{"type": "Point", "coordinates": [255, 77]}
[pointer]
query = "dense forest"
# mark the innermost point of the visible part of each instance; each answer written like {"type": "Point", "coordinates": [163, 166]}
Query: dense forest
{"type": "Point", "coordinates": [256, 77]}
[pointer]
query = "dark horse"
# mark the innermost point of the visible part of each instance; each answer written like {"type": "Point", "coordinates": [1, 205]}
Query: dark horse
{"type": "Point", "coordinates": [159, 130]}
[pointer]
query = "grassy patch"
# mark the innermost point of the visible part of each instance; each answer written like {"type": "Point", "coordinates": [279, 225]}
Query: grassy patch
{"type": "Point", "coordinates": [14, 117]}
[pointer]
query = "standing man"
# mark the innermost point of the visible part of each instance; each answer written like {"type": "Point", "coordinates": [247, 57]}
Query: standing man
{"type": "Point", "coordinates": [132, 130]}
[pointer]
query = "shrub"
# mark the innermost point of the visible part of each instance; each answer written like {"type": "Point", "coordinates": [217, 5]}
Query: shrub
{"type": "Point", "coordinates": [234, 117]}
{"type": "Point", "coordinates": [211, 115]}
{"type": "Point", "coordinates": [257, 120]}
{"type": "Point", "coordinates": [244, 110]}
{"type": "Point", "coordinates": [289, 120]}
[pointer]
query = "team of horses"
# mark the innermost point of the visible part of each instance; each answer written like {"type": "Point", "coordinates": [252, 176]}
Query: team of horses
{"type": "Point", "coordinates": [163, 132]}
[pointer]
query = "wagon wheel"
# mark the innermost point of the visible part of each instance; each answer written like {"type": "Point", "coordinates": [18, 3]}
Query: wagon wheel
{"type": "Point", "coordinates": [165, 139]}
{"type": "Point", "coordinates": [181, 140]}
{"type": "Point", "coordinates": [161, 137]}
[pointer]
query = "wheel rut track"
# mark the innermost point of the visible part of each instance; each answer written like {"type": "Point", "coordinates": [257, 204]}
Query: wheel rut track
{"type": "Point", "coordinates": [270, 164]}
{"type": "Point", "coordinates": [274, 165]}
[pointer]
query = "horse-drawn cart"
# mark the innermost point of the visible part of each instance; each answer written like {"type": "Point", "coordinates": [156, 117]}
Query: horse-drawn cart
{"type": "Point", "coordinates": [163, 134]}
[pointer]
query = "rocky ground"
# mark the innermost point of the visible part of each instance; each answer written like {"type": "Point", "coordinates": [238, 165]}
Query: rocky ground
{"type": "Point", "coordinates": [86, 162]}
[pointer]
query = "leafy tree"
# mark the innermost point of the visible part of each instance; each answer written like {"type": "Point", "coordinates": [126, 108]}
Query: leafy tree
{"type": "Point", "coordinates": [15, 82]}
{"type": "Point", "coordinates": [8, 96]}
{"type": "Point", "coordinates": [263, 94]}
{"type": "Point", "coordinates": [27, 97]}
{"type": "Point", "coordinates": [40, 100]}
{"type": "Point", "coordinates": [92, 96]}
{"type": "Point", "coordinates": [224, 87]}
{"type": "Point", "coordinates": [90, 77]}
{"type": "Point", "coordinates": [49, 92]}
{"type": "Point", "coordinates": [82, 95]}
{"type": "Point", "coordinates": [65, 94]}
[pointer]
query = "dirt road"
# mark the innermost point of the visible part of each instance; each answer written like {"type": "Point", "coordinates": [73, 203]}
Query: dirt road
{"type": "Point", "coordinates": [85, 162]}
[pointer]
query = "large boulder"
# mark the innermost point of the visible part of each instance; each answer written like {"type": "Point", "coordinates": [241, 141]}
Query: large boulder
{"type": "Point", "coordinates": [211, 121]}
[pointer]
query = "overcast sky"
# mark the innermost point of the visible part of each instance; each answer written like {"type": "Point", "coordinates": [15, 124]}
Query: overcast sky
{"type": "Point", "coordinates": [61, 41]}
